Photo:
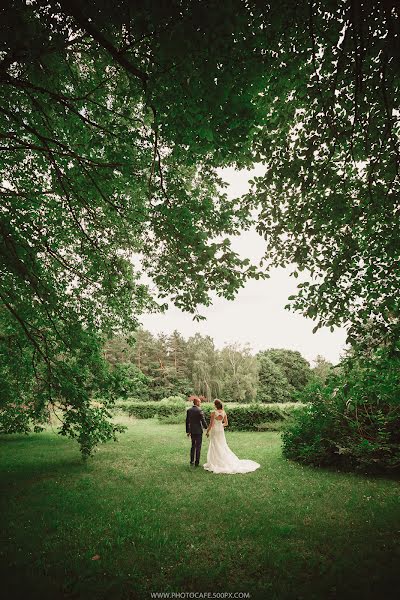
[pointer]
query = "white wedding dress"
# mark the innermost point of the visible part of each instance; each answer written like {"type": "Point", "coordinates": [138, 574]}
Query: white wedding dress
{"type": "Point", "coordinates": [220, 458]}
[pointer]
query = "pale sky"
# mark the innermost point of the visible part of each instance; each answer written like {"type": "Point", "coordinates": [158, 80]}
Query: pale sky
{"type": "Point", "coordinates": [257, 316]}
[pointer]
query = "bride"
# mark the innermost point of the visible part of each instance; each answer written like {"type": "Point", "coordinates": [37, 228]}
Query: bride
{"type": "Point", "coordinates": [220, 458]}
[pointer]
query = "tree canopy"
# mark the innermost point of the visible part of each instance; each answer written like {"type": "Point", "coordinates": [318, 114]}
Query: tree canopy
{"type": "Point", "coordinates": [329, 200]}
{"type": "Point", "coordinates": [293, 365]}
{"type": "Point", "coordinates": [114, 120]}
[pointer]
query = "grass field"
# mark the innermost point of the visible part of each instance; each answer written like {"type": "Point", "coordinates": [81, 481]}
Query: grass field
{"type": "Point", "coordinates": [158, 525]}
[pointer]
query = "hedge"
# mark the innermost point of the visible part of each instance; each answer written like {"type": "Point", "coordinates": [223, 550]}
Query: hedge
{"type": "Point", "coordinates": [250, 417]}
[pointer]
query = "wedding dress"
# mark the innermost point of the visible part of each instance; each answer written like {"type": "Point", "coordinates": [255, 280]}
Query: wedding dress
{"type": "Point", "coordinates": [220, 458]}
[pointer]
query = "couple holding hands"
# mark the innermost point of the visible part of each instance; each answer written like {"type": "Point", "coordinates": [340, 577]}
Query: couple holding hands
{"type": "Point", "coordinates": [220, 458]}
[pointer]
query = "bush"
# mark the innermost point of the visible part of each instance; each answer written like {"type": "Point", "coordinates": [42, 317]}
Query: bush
{"type": "Point", "coordinates": [251, 416]}
{"type": "Point", "coordinates": [179, 400]}
{"type": "Point", "coordinates": [354, 420]}
{"type": "Point", "coordinates": [148, 410]}
{"type": "Point", "coordinates": [241, 418]}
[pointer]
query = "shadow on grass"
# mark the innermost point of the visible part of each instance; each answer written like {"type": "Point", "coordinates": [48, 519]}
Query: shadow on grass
{"type": "Point", "coordinates": [348, 470]}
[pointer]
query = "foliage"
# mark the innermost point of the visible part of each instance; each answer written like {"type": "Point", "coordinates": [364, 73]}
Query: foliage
{"type": "Point", "coordinates": [104, 161]}
{"type": "Point", "coordinates": [174, 365]}
{"type": "Point", "coordinates": [15, 418]}
{"type": "Point", "coordinates": [110, 172]}
{"type": "Point", "coordinates": [203, 366]}
{"type": "Point", "coordinates": [250, 417]}
{"type": "Point", "coordinates": [129, 381]}
{"type": "Point", "coordinates": [353, 420]}
{"type": "Point", "coordinates": [120, 349]}
{"type": "Point", "coordinates": [148, 410]}
{"type": "Point", "coordinates": [179, 400]}
{"type": "Point", "coordinates": [239, 373]}
{"type": "Point", "coordinates": [162, 359]}
{"type": "Point", "coordinates": [273, 385]}
{"type": "Point", "coordinates": [176, 417]}
{"type": "Point", "coordinates": [294, 366]}
{"type": "Point", "coordinates": [329, 199]}
{"type": "Point", "coordinates": [322, 369]}
{"type": "Point", "coordinates": [77, 386]}
{"type": "Point", "coordinates": [164, 382]}
{"type": "Point", "coordinates": [90, 427]}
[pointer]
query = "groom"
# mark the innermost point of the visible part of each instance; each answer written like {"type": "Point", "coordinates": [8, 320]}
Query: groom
{"type": "Point", "coordinates": [195, 422]}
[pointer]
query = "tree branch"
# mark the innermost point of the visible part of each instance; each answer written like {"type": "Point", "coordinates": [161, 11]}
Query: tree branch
{"type": "Point", "coordinates": [73, 8]}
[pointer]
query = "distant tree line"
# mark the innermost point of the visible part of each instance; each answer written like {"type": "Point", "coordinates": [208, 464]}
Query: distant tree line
{"type": "Point", "coordinates": [152, 367]}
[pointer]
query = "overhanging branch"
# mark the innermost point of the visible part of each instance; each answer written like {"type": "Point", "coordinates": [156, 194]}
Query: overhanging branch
{"type": "Point", "coordinates": [73, 8]}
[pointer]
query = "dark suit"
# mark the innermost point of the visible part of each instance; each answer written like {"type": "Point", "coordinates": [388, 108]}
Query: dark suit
{"type": "Point", "coordinates": [195, 422]}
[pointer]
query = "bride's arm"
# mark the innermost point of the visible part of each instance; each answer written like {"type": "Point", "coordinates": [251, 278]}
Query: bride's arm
{"type": "Point", "coordinates": [225, 422]}
{"type": "Point", "coordinates": [211, 423]}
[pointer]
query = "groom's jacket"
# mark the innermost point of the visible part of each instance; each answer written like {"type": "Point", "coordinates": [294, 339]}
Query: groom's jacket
{"type": "Point", "coordinates": [195, 420]}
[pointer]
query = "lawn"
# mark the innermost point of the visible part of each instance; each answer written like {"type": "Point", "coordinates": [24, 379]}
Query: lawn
{"type": "Point", "coordinates": [158, 525]}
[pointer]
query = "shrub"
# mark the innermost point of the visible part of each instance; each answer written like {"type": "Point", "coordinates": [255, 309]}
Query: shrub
{"type": "Point", "coordinates": [249, 417]}
{"type": "Point", "coordinates": [148, 410]}
{"type": "Point", "coordinates": [354, 420]}
{"type": "Point", "coordinates": [322, 369]}
{"type": "Point", "coordinates": [241, 418]}
{"type": "Point", "coordinates": [178, 400]}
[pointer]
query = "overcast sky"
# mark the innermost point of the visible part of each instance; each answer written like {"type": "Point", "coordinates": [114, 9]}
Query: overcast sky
{"type": "Point", "coordinates": [257, 315]}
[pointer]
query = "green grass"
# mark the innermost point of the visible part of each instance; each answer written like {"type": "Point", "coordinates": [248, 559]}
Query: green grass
{"type": "Point", "coordinates": [283, 532]}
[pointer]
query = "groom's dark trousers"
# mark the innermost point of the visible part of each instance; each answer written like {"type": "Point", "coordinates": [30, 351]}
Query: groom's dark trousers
{"type": "Point", "coordinates": [197, 439]}
{"type": "Point", "coordinates": [195, 422]}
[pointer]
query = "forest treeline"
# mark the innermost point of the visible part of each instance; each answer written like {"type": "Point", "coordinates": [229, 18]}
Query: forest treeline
{"type": "Point", "coordinates": [153, 367]}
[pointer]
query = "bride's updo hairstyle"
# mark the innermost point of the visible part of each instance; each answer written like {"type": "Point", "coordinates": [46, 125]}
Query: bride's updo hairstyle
{"type": "Point", "coordinates": [218, 404]}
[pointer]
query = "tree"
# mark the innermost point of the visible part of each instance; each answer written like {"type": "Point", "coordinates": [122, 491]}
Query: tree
{"type": "Point", "coordinates": [329, 200]}
{"type": "Point", "coordinates": [130, 382]}
{"type": "Point", "coordinates": [292, 364]}
{"type": "Point", "coordinates": [322, 369]}
{"type": "Point", "coordinates": [119, 349]}
{"type": "Point", "coordinates": [273, 385]}
{"type": "Point", "coordinates": [177, 347]}
{"type": "Point", "coordinates": [239, 373]}
{"type": "Point", "coordinates": [104, 159]}
{"type": "Point", "coordinates": [203, 366]}
{"type": "Point", "coordinates": [163, 365]}
{"type": "Point", "coordinates": [70, 382]}
{"type": "Point", "coordinates": [144, 349]}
